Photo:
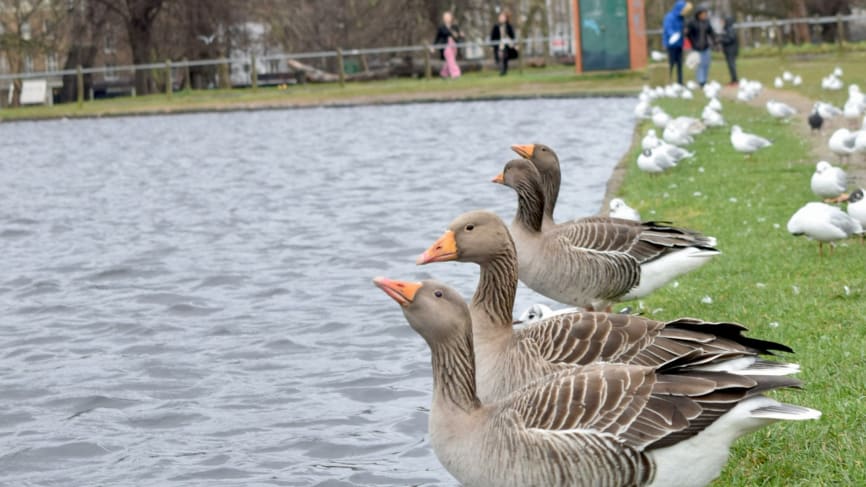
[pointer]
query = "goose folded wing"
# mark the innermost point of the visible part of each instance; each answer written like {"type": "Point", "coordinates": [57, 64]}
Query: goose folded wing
{"type": "Point", "coordinates": [609, 273]}
{"type": "Point", "coordinates": [642, 409]}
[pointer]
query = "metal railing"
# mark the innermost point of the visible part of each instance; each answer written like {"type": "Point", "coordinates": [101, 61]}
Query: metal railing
{"type": "Point", "coordinates": [182, 63]}
{"type": "Point", "coordinates": [763, 24]}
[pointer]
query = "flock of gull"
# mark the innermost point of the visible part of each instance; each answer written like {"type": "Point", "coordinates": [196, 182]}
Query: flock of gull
{"type": "Point", "coordinates": [582, 396]}
{"type": "Point", "coordinates": [818, 220]}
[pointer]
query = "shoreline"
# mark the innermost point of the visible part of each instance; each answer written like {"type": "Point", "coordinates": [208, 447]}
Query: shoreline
{"type": "Point", "coordinates": [400, 99]}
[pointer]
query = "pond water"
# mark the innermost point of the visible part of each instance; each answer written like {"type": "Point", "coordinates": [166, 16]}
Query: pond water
{"type": "Point", "coordinates": [187, 299]}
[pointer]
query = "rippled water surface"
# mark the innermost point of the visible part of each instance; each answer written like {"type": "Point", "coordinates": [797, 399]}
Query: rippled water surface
{"type": "Point", "coordinates": [187, 299]}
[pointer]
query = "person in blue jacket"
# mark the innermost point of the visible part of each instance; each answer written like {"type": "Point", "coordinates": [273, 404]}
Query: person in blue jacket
{"type": "Point", "coordinates": [672, 36]}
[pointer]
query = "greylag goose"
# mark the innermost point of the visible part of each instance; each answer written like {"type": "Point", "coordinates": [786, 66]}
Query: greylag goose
{"type": "Point", "coordinates": [508, 359]}
{"type": "Point", "coordinates": [598, 260]}
{"type": "Point", "coordinates": [599, 425]}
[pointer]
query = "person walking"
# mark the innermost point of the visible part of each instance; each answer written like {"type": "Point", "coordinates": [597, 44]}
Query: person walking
{"type": "Point", "coordinates": [702, 38]}
{"type": "Point", "coordinates": [731, 48]}
{"type": "Point", "coordinates": [672, 37]}
{"type": "Point", "coordinates": [503, 35]}
{"type": "Point", "coordinates": [448, 34]}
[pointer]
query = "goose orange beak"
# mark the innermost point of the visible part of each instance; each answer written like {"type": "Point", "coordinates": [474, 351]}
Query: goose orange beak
{"type": "Point", "coordinates": [401, 291]}
{"type": "Point", "coordinates": [442, 250]}
{"type": "Point", "coordinates": [525, 151]}
{"type": "Point", "coordinates": [499, 179]}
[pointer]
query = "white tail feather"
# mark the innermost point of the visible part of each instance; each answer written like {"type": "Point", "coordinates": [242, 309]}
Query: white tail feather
{"type": "Point", "coordinates": [786, 412]}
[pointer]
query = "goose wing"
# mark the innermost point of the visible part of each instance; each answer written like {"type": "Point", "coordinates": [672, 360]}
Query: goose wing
{"type": "Point", "coordinates": [635, 405]}
{"type": "Point", "coordinates": [644, 241]}
{"type": "Point", "coordinates": [583, 338]}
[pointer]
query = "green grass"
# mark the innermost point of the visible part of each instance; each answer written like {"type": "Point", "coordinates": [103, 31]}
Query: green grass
{"type": "Point", "coordinates": [773, 283]}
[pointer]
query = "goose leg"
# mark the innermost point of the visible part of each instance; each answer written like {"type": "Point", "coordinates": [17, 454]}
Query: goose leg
{"type": "Point", "coordinates": [821, 248]}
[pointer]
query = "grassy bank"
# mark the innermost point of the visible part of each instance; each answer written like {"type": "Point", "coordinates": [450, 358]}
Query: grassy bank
{"type": "Point", "coordinates": [551, 81]}
{"type": "Point", "coordinates": [773, 283]}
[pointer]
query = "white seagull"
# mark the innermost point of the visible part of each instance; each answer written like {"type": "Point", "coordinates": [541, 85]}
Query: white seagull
{"type": "Point", "coordinates": [827, 111]}
{"type": "Point", "coordinates": [842, 143]}
{"type": "Point", "coordinates": [745, 142]}
{"type": "Point", "coordinates": [829, 182]}
{"type": "Point", "coordinates": [650, 140]}
{"type": "Point", "coordinates": [715, 104]}
{"type": "Point", "coordinates": [674, 135]}
{"type": "Point", "coordinates": [653, 161]}
{"type": "Point", "coordinates": [660, 118]}
{"type": "Point", "coordinates": [824, 223]}
{"type": "Point", "coordinates": [712, 118]}
{"type": "Point", "coordinates": [780, 110]}
{"type": "Point", "coordinates": [619, 209]}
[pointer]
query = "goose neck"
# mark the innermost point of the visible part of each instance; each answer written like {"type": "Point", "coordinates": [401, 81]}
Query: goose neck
{"type": "Point", "coordinates": [454, 373]}
{"type": "Point", "coordinates": [494, 297]}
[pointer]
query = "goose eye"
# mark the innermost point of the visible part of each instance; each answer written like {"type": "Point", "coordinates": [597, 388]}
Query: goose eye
{"type": "Point", "coordinates": [470, 227]}
{"type": "Point", "coordinates": [437, 293]}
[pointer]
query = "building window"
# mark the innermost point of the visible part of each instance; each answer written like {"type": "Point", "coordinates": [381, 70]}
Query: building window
{"type": "Point", "coordinates": [274, 66]}
{"type": "Point", "coordinates": [109, 41]}
{"type": "Point", "coordinates": [51, 62]}
{"type": "Point", "coordinates": [28, 64]}
{"type": "Point", "coordinates": [25, 31]}
{"type": "Point", "coordinates": [110, 72]}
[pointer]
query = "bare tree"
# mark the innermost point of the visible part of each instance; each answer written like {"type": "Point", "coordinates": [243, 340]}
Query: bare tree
{"type": "Point", "coordinates": [29, 28]}
{"type": "Point", "coordinates": [139, 18]}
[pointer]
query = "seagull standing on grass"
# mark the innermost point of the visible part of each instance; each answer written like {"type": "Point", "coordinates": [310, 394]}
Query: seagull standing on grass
{"type": "Point", "coordinates": [829, 182]}
{"type": "Point", "coordinates": [745, 142]}
{"type": "Point", "coordinates": [824, 223]}
{"type": "Point", "coordinates": [842, 143]}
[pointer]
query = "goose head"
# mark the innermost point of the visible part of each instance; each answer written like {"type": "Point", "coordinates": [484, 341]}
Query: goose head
{"type": "Point", "coordinates": [434, 310]}
{"type": "Point", "coordinates": [822, 166]}
{"type": "Point", "coordinates": [477, 236]}
{"type": "Point", "coordinates": [736, 129]}
{"type": "Point", "coordinates": [855, 196]}
{"type": "Point", "coordinates": [616, 204]}
{"type": "Point", "coordinates": [545, 160]}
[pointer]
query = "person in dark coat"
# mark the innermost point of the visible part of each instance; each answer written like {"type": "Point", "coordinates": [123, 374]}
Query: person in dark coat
{"type": "Point", "coordinates": [503, 35]}
{"type": "Point", "coordinates": [700, 34]}
{"type": "Point", "coordinates": [672, 37]}
{"type": "Point", "coordinates": [731, 48]}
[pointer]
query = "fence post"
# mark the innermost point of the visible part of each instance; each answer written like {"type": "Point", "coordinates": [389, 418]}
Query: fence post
{"type": "Point", "coordinates": [780, 40]}
{"type": "Point", "coordinates": [520, 57]}
{"type": "Point", "coordinates": [223, 76]}
{"type": "Point", "coordinates": [79, 81]}
{"type": "Point", "coordinates": [168, 81]}
{"type": "Point", "coordinates": [364, 64]}
{"type": "Point", "coordinates": [741, 33]}
{"type": "Point", "coordinates": [186, 76]}
{"type": "Point", "coordinates": [341, 70]}
{"type": "Point", "coordinates": [840, 31]}
{"type": "Point", "coordinates": [428, 68]}
{"type": "Point", "coordinates": [254, 73]}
